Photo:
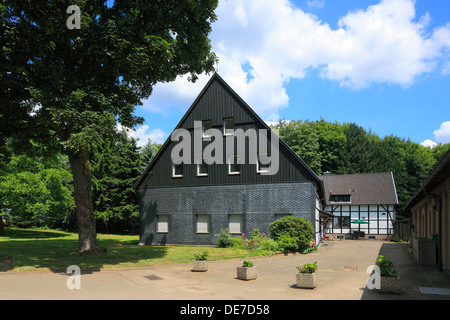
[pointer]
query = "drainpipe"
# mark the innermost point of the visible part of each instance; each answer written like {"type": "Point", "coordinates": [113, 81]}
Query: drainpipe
{"type": "Point", "coordinates": [439, 205]}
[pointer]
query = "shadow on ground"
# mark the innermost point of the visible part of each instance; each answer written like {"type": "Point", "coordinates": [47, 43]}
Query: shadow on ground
{"type": "Point", "coordinates": [412, 276]}
{"type": "Point", "coordinates": [55, 251]}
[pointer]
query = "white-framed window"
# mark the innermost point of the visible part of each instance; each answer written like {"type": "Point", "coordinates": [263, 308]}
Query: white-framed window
{"type": "Point", "coordinates": [163, 223]}
{"type": "Point", "coordinates": [203, 222]}
{"type": "Point", "coordinates": [260, 167]}
{"type": "Point", "coordinates": [202, 169]}
{"type": "Point", "coordinates": [228, 126]}
{"type": "Point", "coordinates": [233, 166]}
{"type": "Point", "coordinates": [177, 170]}
{"type": "Point", "coordinates": [206, 125]}
{"type": "Point", "coordinates": [235, 223]}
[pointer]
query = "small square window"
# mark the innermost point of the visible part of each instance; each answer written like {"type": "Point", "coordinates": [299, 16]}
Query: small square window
{"type": "Point", "coordinates": [177, 170]}
{"type": "Point", "coordinates": [203, 221]}
{"type": "Point", "coordinates": [206, 125]}
{"type": "Point", "coordinates": [228, 126]}
{"type": "Point", "coordinates": [233, 166]}
{"type": "Point", "coordinates": [235, 223]}
{"type": "Point", "coordinates": [163, 223]}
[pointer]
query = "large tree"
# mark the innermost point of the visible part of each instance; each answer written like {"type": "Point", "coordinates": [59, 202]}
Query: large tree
{"type": "Point", "coordinates": [67, 87]}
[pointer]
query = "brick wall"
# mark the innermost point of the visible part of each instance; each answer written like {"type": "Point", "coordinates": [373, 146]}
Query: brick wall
{"type": "Point", "coordinates": [258, 203]}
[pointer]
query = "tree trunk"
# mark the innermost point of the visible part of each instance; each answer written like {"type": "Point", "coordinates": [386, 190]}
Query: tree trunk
{"type": "Point", "coordinates": [81, 171]}
{"type": "Point", "coordinates": [2, 227]}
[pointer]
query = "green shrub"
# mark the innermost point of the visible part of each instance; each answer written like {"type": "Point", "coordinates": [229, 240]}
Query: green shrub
{"type": "Point", "coordinates": [201, 256]}
{"type": "Point", "coordinates": [247, 264]}
{"type": "Point", "coordinates": [238, 242]}
{"type": "Point", "coordinates": [289, 229]}
{"type": "Point", "coordinates": [224, 239]}
{"type": "Point", "coordinates": [286, 243]}
{"type": "Point", "coordinates": [387, 267]}
{"type": "Point", "coordinates": [270, 245]}
{"type": "Point", "coordinates": [308, 268]}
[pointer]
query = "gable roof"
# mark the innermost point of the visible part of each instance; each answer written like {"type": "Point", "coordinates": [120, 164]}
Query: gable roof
{"type": "Point", "coordinates": [216, 77]}
{"type": "Point", "coordinates": [371, 188]}
{"type": "Point", "coordinates": [440, 173]}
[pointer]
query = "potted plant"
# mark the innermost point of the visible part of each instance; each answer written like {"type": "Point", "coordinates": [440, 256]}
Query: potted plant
{"type": "Point", "coordinates": [200, 262]}
{"type": "Point", "coordinates": [389, 278]}
{"type": "Point", "coordinates": [306, 276]}
{"type": "Point", "coordinates": [247, 271]}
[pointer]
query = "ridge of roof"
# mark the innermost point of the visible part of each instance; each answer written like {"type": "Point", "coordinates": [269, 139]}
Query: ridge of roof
{"type": "Point", "coordinates": [214, 77]}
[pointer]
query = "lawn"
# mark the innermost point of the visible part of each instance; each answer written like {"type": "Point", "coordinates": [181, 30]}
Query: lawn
{"type": "Point", "coordinates": [33, 250]}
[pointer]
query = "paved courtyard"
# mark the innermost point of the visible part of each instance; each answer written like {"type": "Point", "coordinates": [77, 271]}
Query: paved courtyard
{"type": "Point", "coordinates": [342, 275]}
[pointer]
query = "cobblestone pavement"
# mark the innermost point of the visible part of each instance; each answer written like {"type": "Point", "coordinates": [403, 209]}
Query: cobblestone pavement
{"type": "Point", "coordinates": [341, 275]}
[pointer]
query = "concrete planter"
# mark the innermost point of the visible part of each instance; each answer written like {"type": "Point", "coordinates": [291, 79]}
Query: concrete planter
{"type": "Point", "coordinates": [390, 284]}
{"type": "Point", "coordinates": [200, 266]}
{"type": "Point", "coordinates": [306, 280]}
{"type": "Point", "coordinates": [244, 273]}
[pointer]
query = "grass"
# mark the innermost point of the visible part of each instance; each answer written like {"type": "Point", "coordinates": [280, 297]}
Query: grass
{"type": "Point", "coordinates": [34, 250]}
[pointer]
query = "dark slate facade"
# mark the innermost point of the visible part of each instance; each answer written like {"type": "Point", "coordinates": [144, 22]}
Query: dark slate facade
{"type": "Point", "coordinates": [192, 208]}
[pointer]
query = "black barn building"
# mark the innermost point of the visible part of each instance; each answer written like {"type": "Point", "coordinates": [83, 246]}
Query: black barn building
{"type": "Point", "coordinates": [182, 203]}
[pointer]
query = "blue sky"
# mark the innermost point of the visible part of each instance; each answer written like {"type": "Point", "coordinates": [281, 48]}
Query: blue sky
{"type": "Point", "coordinates": [383, 64]}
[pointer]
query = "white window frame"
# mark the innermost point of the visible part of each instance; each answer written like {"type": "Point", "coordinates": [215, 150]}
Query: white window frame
{"type": "Point", "coordinates": [163, 223]}
{"type": "Point", "coordinates": [231, 223]}
{"type": "Point", "coordinates": [230, 159]}
{"type": "Point", "coordinates": [199, 174]}
{"type": "Point", "coordinates": [225, 127]}
{"type": "Point", "coordinates": [264, 169]}
{"type": "Point", "coordinates": [174, 175]}
{"type": "Point", "coordinates": [203, 129]}
{"type": "Point", "coordinates": [201, 221]}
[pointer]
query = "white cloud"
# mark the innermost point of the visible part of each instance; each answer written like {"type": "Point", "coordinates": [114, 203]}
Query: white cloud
{"type": "Point", "coordinates": [263, 44]}
{"type": "Point", "coordinates": [142, 134]}
{"type": "Point", "coordinates": [443, 133]}
{"type": "Point", "coordinates": [429, 143]}
{"type": "Point", "coordinates": [313, 4]}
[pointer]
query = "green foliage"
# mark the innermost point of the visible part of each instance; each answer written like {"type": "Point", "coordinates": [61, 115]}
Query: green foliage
{"type": "Point", "coordinates": [258, 242]}
{"type": "Point", "coordinates": [387, 267]}
{"type": "Point", "coordinates": [312, 247]}
{"type": "Point", "coordinates": [303, 139]}
{"type": "Point", "coordinates": [347, 148]}
{"type": "Point", "coordinates": [292, 233]}
{"type": "Point", "coordinates": [115, 168]}
{"type": "Point", "coordinates": [68, 88]}
{"type": "Point", "coordinates": [201, 256]}
{"type": "Point", "coordinates": [224, 239]}
{"type": "Point", "coordinates": [287, 243]}
{"type": "Point", "coordinates": [247, 264]}
{"type": "Point", "coordinates": [148, 152]}
{"type": "Point", "coordinates": [37, 187]}
{"type": "Point", "coordinates": [308, 268]}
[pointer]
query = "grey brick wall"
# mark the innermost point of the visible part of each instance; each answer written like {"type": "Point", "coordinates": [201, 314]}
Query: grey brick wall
{"type": "Point", "coordinates": [258, 203]}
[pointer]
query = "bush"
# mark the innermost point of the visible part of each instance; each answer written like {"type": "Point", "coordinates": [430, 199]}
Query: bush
{"type": "Point", "coordinates": [288, 230]}
{"type": "Point", "coordinates": [201, 256]}
{"type": "Point", "coordinates": [286, 243]}
{"type": "Point", "coordinates": [247, 264]}
{"type": "Point", "coordinates": [224, 239]}
{"type": "Point", "coordinates": [308, 268]}
{"type": "Point", "coordinates": [387, 267]}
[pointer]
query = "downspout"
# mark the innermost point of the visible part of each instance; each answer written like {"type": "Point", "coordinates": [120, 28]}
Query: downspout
{"type": "Point", "coordinates": [439, 204]}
